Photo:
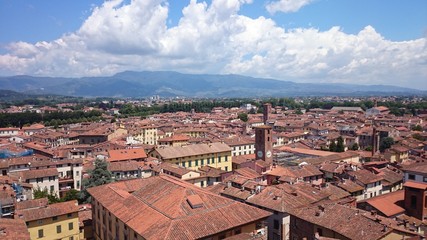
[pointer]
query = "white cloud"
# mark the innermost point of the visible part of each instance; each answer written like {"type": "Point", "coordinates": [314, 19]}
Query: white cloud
{"type": "Point", "coordinates": [286, 6]}
{"type": "Point", "coordinates": [217, 39]}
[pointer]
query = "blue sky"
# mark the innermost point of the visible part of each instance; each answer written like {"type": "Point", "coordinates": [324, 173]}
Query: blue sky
{"type": "Point", "coordinates": [36, 33]}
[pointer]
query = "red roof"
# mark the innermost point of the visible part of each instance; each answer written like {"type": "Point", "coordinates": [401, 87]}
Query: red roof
{"type": "Point", "coordinates": [388, 203]}
{"type": "Point", "coordinates": [417, 185]}
{"type": "Point", "coordinates": [126, 154]}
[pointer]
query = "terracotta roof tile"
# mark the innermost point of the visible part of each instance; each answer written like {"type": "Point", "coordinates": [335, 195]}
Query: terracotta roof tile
{"type": "Point", "coordinates": [157, 208]}
{"type": "Point", "coordinates": [337, 218]}
{"type": "Point", "coordinates": [388, 204]}
{"type": "Point", "coordinates": [13, 229]}
{"type": "Point", "coordinates": [126, 154]}
{"type": "Point", "coordinates": [417, 185]}
{"type": "Point", "coordinates": [51, 210]}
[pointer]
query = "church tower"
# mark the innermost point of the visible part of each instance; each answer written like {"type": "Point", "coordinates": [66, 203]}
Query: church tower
{"type": "Point", "coordinates": [264, 143]}
{"type": "Point", "coordinates": [266, 112]}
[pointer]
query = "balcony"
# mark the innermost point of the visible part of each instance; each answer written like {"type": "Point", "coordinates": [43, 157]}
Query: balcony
{"type": "Point", "coordinates": [67, 178]}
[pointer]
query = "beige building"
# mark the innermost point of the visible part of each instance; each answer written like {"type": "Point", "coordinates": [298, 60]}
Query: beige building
{"type": "Point", "coordinates": [217, 155]}
{"type": "Point", "coordinates": [42, 178]}
{"type": "Point", "coordinates": [144, 135]}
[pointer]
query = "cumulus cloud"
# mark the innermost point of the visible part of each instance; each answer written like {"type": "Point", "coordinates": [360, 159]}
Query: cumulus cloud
{"type": "Point", "coordinates": [286, 6]}
{"type": "Point", "coordinates": [215, 38]}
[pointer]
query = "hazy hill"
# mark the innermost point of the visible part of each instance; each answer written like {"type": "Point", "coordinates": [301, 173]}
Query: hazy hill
{"type": "Point", "coordinates": [166, 84]}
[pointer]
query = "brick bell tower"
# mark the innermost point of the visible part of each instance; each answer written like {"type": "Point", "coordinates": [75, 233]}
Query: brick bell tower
{"type": "Point", "coordinates": [264, 143]}
{"type": "Point", "coordinates": [266, 112]}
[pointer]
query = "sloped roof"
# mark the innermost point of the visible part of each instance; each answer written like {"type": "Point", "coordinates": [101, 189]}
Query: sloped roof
{"type": "Point", "coordinates": [126, 154]}
{"type": "Point", "coordinates": [13, 229]}
{"type": "Point", "coordinates": [52, 210]}
{"type": "Point", "coordinates": [388, 204]}
{"type": "Point", "coordinates": [192, 150]}
{"type": "Point", "coordinates": [344, 220]}
{"type": "Point", "coordinates": [157, 208]}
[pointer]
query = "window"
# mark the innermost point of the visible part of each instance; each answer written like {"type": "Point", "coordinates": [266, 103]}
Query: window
{"type": "Point", "coordinates": [411, 176]}
{"type": "Point", "coordinates": [58, 229]}
{"type": "Point", "coordinates": [414, 202]}
{"type": "Point", "coordinates": [189, 163]}
{"type": "Point", "coordinates": [425, 179]}
{"type": "Point", "coordinates": [51, 179]}
{"type": "Point", "coordinates": [40, 221]}
{"type": "Point", "coordinates": [196, 163]}
{"type": "Point", "coordinates": [202, 161]}
{"type": "Point", "coordinates": [78, 184]}
{"type": "Point", "coordinates": [219, 159]}
{"type": "Point", "coordinates": [77, 173]}
{"type": "Point", "coordinates": [276, 224]}
{"type": "Point", "coordinates": [69, 215]}
{"type": "Point", "coordinates": [40, 233]}
{"type": "Point", "coordinates": [238, 231]}
{"type": "Point", "coordinates": [71, 238]}
{"type": "Point", "coordinates": [213, 160]}
{"type": "Point", "coordinates": [52, 188]}
{"type": "Point", "coordinates": [226, 157]}
{"type": "Point", "coordinates": [39, 180]}
{"type": "Point", "coordinates": [71, 226]}
{"type": "Point", "coordinates": [226, 168]}
{"type": "Point", "coordinates": [54, 218]}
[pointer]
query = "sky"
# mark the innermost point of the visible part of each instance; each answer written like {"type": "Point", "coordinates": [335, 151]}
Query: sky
{"type": "Point", "coordinates": [328, 41]}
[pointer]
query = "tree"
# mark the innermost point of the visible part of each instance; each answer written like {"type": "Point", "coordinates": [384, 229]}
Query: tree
{"type": "Point", "coordinates": [418, 137]}
{"type": "Point", "coordinates": [340, 145]}
{"type": "Point", "coordinates": [333, 146]}
{"type": "Point", "coordinates": [73, 194]}
{"type": "Point", "coordinates": [40, 193]}
{"type": "Point", "coordinates": [298, 111]}
{"type": "Point", "coordinates": [355, 147]}
{"type": "Point", "coordinates": [44, 193]}
{"type": "Point", "coordinates": [243, 117]}
{"type": "Point", "coordinates": [417, 128]}
{"type": "Point", "coordinates": [386, 143]}
{"type": "Point", "coordinates": [98, 176]}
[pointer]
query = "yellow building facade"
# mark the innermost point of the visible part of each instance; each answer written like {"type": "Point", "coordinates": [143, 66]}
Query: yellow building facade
{"type": "Point", "coordinates": [216, 155]}
{"type": "Point", "coordinates": [54, 221]}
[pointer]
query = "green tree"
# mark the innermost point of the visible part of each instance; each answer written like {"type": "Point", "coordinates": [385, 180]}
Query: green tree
{"type": "Point", "coordinates": [73, 194]}
{"type": "Point", "coordinates": [44, 193]}
{"type": "Point", "coordinates": [40, 193]}
{"type": "Point", "coordinates": [340, 145]}
{"type": "Point", "coordinates": [418, 137]}
{"type": "Point", "coordinates": [417, 128]}
{"type": "Point", "coordinates": [333, 146]}
{"type": "Point", "coordinates": [98, 176]}
{"type": "Point", "coordinates": [298, 111]}
{"type": "Point", "coordinates": [386, 143]}
{"type": "Point", "coordinates": [355, 147]}
{"type": "Point", "coordinates": [243, 117]}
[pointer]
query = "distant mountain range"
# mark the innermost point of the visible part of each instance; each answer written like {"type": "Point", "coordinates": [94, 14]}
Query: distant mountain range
{"type": "Point", "coordinates": [171, 84]}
